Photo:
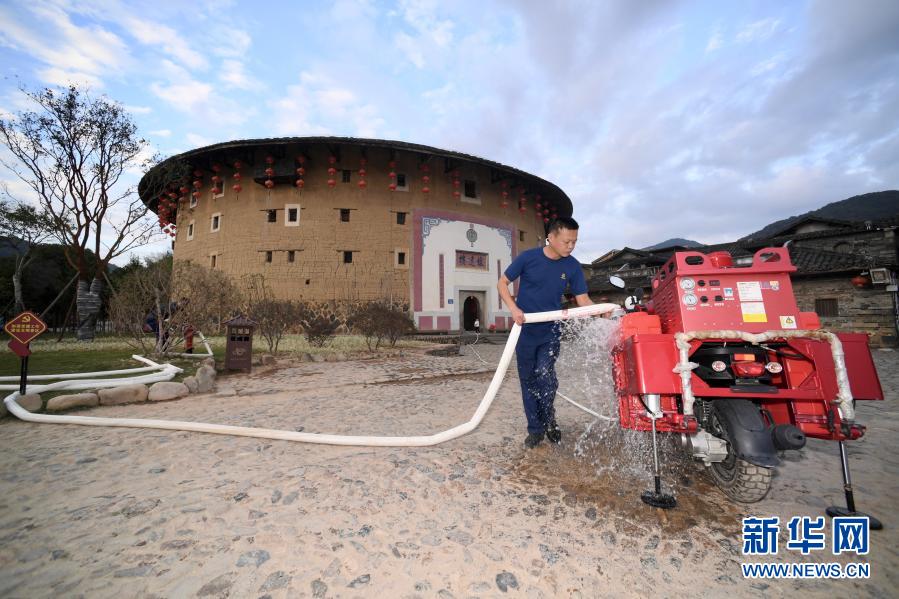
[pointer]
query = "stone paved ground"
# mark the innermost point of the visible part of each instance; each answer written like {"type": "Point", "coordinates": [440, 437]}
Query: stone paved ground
{"type": "Point", "coordinates": [98, 512]}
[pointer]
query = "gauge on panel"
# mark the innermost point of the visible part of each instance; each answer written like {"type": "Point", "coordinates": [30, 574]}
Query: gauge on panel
{"type": "Point", "coordinates": [687, 284]}
{"type": "Point", "coordinates": [689, 299]}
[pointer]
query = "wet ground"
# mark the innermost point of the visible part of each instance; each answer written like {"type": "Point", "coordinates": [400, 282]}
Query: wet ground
{"type": "Point", "coordinates": [110, 512]}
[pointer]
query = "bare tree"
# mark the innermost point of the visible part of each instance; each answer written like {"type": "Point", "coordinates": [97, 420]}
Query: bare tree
{"type": "Point", "coordinates": [23, 228]}
{"type": "Point", "coordinates": [155, 305]}
{"type": "Point", "coordinates": [72, 152]}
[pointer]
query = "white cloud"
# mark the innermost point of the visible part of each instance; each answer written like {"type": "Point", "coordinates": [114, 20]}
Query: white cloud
{"type": "Point", "coordinates": [715, 42]}
{"type": "Point", "coordinates": [320, 106]}
{"type": "Point", "coordinates": [161, 133]}
{"type": "Point", "coordinates": [73, 53]}
{"type": "Point", "coordinates": [134, 109]}
{"type": "Point", "coordinates": [64, 78]}
{"type": "Point", "coordinates": [234, 75]}
{"type": "Point", "coordinates": [758, 31]}
{"type": "Point", "coordinates": [171, 42]}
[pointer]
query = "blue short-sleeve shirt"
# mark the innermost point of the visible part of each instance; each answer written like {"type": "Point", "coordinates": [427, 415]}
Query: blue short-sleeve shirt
{"type": "Point", "coordinates": [543, 282]}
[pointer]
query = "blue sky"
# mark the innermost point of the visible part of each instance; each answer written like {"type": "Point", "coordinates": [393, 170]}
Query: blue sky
{"type": "Point", "coordinates": [704, 120]}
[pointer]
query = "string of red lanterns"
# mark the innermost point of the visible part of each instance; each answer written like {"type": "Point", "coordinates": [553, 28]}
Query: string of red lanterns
{"type": "Point", "coordinates": [504, 203]}
{"type": "Point", "coordinates": [332, 171]}
{"type": "Point", "coordinates": [392, 175]}
{"type": "Point", "coordinates": [237, 187]}
{"type": "Point", "coordinates": [269, 172]}
{"type": "Point", "coordinates": [456, 184]}
{"type": "Point", "coordinates": [425, 178]}
{"type": "Point", "coordinates": [301, 172]}
{"type": "Point", "coordinates": [362, 183]}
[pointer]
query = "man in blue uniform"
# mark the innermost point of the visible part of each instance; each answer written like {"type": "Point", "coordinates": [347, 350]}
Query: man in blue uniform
{"type": "Point", "coordinates": [546, 273]}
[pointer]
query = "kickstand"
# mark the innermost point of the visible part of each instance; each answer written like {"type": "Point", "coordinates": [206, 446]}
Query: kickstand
{"type": "Point", "coordinates": [849, 510]}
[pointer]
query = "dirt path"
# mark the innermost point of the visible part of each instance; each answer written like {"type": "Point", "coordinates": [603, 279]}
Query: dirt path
{"type": "Point", "coordinates": [110, 512]}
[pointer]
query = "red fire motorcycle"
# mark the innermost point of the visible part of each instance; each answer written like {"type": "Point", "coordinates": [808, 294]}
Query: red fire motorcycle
{"type": "Point", "coordinates": [722, 356]}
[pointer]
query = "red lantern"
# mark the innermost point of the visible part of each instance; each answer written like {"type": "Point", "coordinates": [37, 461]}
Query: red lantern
{"type": "Point", "coordinates": [216, 168]}
{"type": "Point", "coordinates": [236, 187]}
{"type": "Point", "coordinates": [332, 171]}
{"type": "Point", "coordinates": [504, 204]}
{"type": "Point", "coordinates": [392, 164]}
{"type": "Point", "coordinates": [301, 171]}
{"type": "Point", "coordinates": [216, 179]}
{"type": "Point", "coordinates": [860, 281]}
{"type": "Point", "coordinates": [300, 183]}
{"type": "Point", "coordinates": [196, 195]}
{"type": "Point", "coordinates": [392, 175]}
{"type": "Point", "coordinates": [198, 173]}
{"type": "Point", "coordinates": [269, 160]}
{"type": "Point", "coordinates": [301, 159]}
{"type": "Point", "coordinates": [270, 172]}
{"type": "Point", "coordinates": [392, 187]}
{"type": "Point", "coordinates": [198, 184]}
{"type": "Point", "coordinates": [269, 183]}
{"type": "Point", "coordinates": [184, 189]}
{"type": "Point", "coordinates": [361, 172]}
{"type": "Point", "coordinates": [362, 184]}
{"type": "Point", "coordinates": [332, 182]}
{"type": "Point", "coordinates": [237, 176]}
{"type": "Point", "coordinates": [238, 165]}
{"type": "Point", "coordinates": [332, 160]}
{"type": "Point", "coordinates": [545, 220]}
{"type": "Point", "coordinates": [457, 195]}
{"type": "Point", "coordinates": [425, 190]}
{"type": "Point", "coordinates": [426, 179]}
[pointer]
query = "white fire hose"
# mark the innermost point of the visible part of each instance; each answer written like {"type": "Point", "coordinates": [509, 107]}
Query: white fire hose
{"type": "Point", "coordinates": [262, 433]}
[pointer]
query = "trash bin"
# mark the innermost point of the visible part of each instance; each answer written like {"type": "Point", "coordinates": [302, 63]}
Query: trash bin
{"type": "Point", "coordinates": [239, 343]}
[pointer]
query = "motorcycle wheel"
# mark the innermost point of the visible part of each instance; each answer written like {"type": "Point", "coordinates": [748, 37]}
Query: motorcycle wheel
{"type": "Point", "coordinates": [738, 479]}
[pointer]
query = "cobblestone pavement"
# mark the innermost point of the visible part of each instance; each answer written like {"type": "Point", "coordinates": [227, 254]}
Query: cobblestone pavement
{"type": "Point", "coordinates": [101, 512]}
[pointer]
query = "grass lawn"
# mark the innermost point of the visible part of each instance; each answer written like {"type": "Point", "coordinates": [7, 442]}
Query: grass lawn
{"type": "Point", "coordinates": [114, 353]}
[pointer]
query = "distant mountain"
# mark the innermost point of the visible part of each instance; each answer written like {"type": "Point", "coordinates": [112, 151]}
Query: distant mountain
{"type": "Point", "coordinates": [880, 205]}
{"type": "Point", "coordinates": [687, 243]}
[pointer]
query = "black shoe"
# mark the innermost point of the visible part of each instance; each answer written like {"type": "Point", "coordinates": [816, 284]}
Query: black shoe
{"type": "Point", "coordinates": [553, 433]}
{"type": "Point", "coordinates": [533, 440]}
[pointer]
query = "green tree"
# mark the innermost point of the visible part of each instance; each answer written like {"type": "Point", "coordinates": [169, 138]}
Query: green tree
{"type": "Point", "coordinates": [23, 228]}
{"type": "Point", "coordinates": [72, 152]}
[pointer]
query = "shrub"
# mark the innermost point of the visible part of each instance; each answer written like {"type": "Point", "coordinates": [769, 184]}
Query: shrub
{"type": "Point", "coordinates": [377, 321]}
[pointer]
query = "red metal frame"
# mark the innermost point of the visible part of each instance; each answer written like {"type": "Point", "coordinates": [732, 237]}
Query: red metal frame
{"type": "Point", "coordinates": [806, 390]}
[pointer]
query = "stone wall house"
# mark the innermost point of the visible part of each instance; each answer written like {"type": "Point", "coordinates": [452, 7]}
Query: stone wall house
{"type": "Point", "coordinates": [846, 272]}
{"type": "Point", "coordinates": [346, 220]}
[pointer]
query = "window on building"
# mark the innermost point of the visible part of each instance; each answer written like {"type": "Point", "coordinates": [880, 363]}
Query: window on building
{"type": "Point", "coordinates": [268, 256]}
{"type": "Point", "coordinates": [293, 215]}
{"type": "Point", "coordinates": [401, 218]}
{"type": "Point", "coordinates": [344, 215]}
{"type": "Point", "coordinates": [345, 175]}
{"type": "Point", "coordinates": [272, 216]}
{"type": "Point", "coordinates": [218, 192]}
{"type": "Point", "coordinates": [401, 258]}
{"type": "Point", "coordinates": [347, 257]}
{"type": "Point", "coordinates": [216, 222]}
{"type": "Point", "coordinates": [827, 307]}
{"type": "Point", "coordinates": [193, 201]}
{"type": "Point", "coordinates": [471, 189]}
{"type": "Point", "coordinates": [401, 181]}
{"type": "Point", "coordinates": [291, 256]}
{"type": "Point", "coordinates": [190, 231]}
{"type": "Point", "coordinates": [520, 235]}
{"type": "Point", "coordinates": [212, 261]}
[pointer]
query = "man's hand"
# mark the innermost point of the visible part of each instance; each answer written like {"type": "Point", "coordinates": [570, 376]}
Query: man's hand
{"type": "Point", "coordinates": [517, 315]}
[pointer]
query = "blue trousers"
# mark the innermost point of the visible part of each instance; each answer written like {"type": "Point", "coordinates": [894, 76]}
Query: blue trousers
{"type": "Point", "coordinates": [537, 373]}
